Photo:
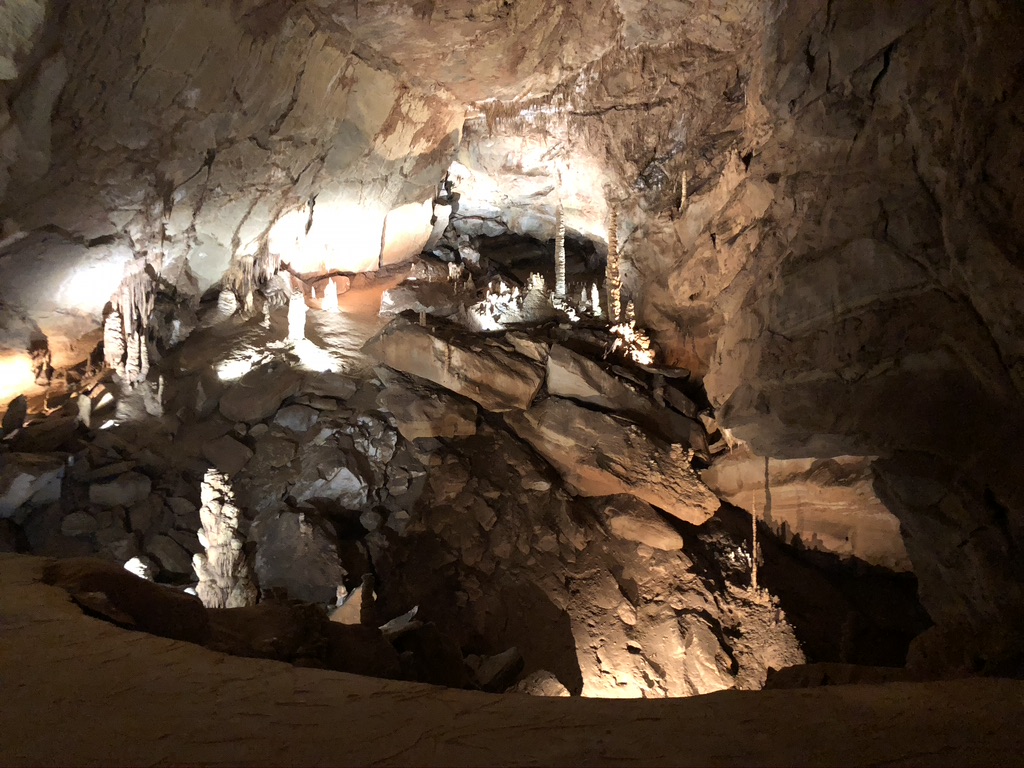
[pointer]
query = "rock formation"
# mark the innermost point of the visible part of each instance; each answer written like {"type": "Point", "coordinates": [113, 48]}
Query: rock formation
{"type": "Point", "coordinates": [814, 220]}
{"type": "Point", "coordinates": [224, 572]}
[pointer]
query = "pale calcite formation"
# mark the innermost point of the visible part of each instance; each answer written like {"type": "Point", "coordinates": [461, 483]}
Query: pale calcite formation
{"type": "Point", "coordinates": [225, 574]}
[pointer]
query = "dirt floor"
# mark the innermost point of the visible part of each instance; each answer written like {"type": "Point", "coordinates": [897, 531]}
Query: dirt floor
{"type": "Point", "coordinates": [80, 691]}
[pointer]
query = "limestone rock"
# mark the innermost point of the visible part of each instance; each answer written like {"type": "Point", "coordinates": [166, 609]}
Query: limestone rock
{"type": "Point", "coordinates": [828, 504]}
{"type": "Point", "coordinates": [330, 474]}
{"type": "Point", "coordinates": [329, 385]}
{"type": "Point", "coordinates": [633, 520]}
{"type": "Point", "coordinates": [123, 491]}
{"type": "Point", "coordinates": [600, 456]}
{"type": "Point", "coordinates": [28, 479]}
{"type": "Point", "coordinates": [493, 378]}
{"type": "Point", "coordinates": [296, 551]}
{"type": "Point", "coordinates": [14, 417]}
{"type": "Point", "coordinates": [574, 376]}
{"type": "Point", "coordinates": [296, 418]}
{"type": "Point", "coordinates": [79, 524]}
{"type": "Point", "coordinates": [171, 556]}
{"type": "Point", "coordinates": [260, 392]}
{"type": "Point", "coordinates": [423, 412]}
{"type": "Point", "coordinates": [496, 673]}
{"type": "Point", "coordinates": [541, 683]}
{"type": "Point", "coordinates": [227, 454]}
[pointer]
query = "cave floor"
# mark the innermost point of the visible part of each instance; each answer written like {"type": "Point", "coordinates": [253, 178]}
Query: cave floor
{"type": "Point", "coordinates": [80, 691]}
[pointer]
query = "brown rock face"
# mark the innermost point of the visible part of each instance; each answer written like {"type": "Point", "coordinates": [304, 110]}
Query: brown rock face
{"type": "Point", "coordinates": [827, 504]}
{"type": "Point", "coordinates": [602, 456]}
{"type": "Point", "coordinates": [820, 203]}
{"type": "Point", "coordinates": [497, 380]}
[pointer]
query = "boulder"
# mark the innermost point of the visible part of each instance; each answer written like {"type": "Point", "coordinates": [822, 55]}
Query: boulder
{"type": "Point", "coordinates": [274, 452]}
{"type": "Point", "coordinates": [297, 551]}
{"type": "Point", "coordinates": [541, 683]}
{"type": "Point", "coordinates": [601, 455]}
{"type": "Point", "coordinates": [422, 412]}
{"type": "Point", "coordinates": [328, 473]}
{"type": "Point", "coordinates": [828, 504]}
{"type": "Point", "coordinates": [227, 454]}
{"type": "Point", "coordinates": [495, 379]}
{"type": "Point", "coordinates": [496, 673]}
{"type": "Point", "coordinates": [170, 555]}
{"type": "Point", "coordinates": [577, 377]}
{"type": "Point", "coordinates": [634, 520]}
{"type": "Point", "coordinates": [79, 524]}
{"type": "Point", "coordinates": [123, 491]}
{"type": "Point", "coordinates": [260, 392]}
{"type": "Point", "coordinates": [28, 479]}
{"type": "Point", "coordinates": [296, 418]}
{"type": "Point", "coordinates": [329, 384]}
{"type": "Point", "coordinates": [14, 417]}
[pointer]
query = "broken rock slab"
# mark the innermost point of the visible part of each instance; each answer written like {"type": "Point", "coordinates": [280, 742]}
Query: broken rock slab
{"type": "Point", "coordinates": [829, 504]}
{"type": "Point", "coordinates": [260, 392]}
{"type": "Point", "coordinates": [227, 454]}
{"type": "Point", "coordinates": [497, 380]}
{"type": "Point", "coordinates": [296, 418]}
{"type": "Point", "coordinates": [123, 491]}
{"type": "Point", "coordinates": [635, 520]}
{"type": "Point", "coordinates": [28, 479]}
{"type": "Point", "coordinates": [422, 412]}
{"type": "Point", "coordinates": [579, 378]}
{"type": "Point", "coordinates": [601, 455]}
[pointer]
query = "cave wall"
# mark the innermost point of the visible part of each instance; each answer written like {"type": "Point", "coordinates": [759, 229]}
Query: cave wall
{"type": "Point", "coordinates": [844, 269]}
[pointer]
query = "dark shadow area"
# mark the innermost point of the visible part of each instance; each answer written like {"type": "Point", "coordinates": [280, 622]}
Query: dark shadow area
{"type": "Point", "coordinates": [841, 609]}
{"type": "Point", "coordinates": [420, 570]}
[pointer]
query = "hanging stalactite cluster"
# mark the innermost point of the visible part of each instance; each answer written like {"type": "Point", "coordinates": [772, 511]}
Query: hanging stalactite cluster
{"type": "Point", "coordinates": [249, 274]}
{"type": "Point", "coordinates": [126, 326]}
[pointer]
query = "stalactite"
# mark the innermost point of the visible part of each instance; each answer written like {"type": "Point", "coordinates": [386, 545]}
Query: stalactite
{"type": "Point", "coordinates": [612, 276]}
{"type": "Point", "coordinates": [684, 193]}
{"type": "Point", "coordinates": [125, 328]}
{"type": "Point", "coordinates": [224, 573]}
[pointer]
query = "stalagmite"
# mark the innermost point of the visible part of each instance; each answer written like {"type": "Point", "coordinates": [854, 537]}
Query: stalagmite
{"type": "Point", "coordinates": [227, 304]}
{"type": "Point", "coordinates": [113, 341]}
{"type": "Point", "coordinates": [612, 279]}
{"type": "Point", "coordinates": [684, 192]}
{"type": "Point", "coordinates": [560, 289]}
{"type": "Point", "coordinates": [297, 316]}
{"type": "Point", "coordinates": [330, 299]}
{"type": "Point", "coordinates": [225, 575]}
{"type": "Point", "coordinates": [595, 300]}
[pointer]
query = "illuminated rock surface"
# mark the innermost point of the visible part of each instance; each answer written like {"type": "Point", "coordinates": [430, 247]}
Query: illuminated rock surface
{"type": "Point", "coordinates": [818, 215]}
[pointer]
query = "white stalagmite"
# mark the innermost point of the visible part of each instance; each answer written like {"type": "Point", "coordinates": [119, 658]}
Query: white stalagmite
{"type": "Point", "coordinates": [612, 279]}
{"type": "Point", "coordinates": [330, 300]}
{"type": "Point", "coordinates": [296, 316]}
{"type": "Point", "coordinates": [560, 289]}
{"type": "Point", "coordinates": [113, 341]}
{"type": "Point", "coordinates": [595, 300]}
{"type": "Point", "coordinates": [225, 576]}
